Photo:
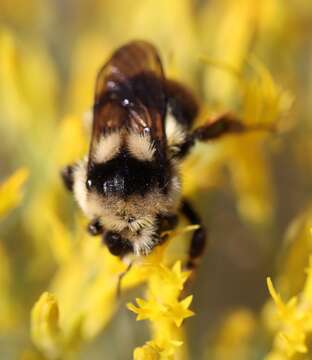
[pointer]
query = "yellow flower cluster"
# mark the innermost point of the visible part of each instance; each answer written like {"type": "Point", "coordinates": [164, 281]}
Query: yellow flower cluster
{"type": "Point", "coordinates": [93, 279]}
{"type": "Point", "coordinates": [295, 322]}
{"type": "Point", "coordinates": [57, 335]}
{"type": "Point", "coordinates": [290, 322]}
{"type": "Point", "coordinates": [164, 309]}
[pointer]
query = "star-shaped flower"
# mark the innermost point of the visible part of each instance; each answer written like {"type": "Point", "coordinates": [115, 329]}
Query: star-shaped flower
{"type": "Point", "coordinates": [179, 310]}
{"type": "Point", "coordinates": [147, 309]}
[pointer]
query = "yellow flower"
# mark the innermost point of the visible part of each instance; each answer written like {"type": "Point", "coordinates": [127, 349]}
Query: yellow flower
{"type": "Point", "coordinates": [45, 329]}
{"type": "Point", "coordinates": [286, 311]}
{"type": "Point", "coordinates": [179, 310]}
{"type": "Point", "coordinates": [151, 309]}
{"type": "Point", "coordinates": [295, 320]}
{"type": "Point", "coordinates": [154, 350]}
{"type": "Point", "coordinates": [234, 338]}
{"type": "Point", "coordinates": [171, 281]}
{"type": "Point", "coordinates": [146, 352]}
{"type": "Point", "coordinates": [11, 193]}
{"type": "Point", "coordinates": [176, 311]}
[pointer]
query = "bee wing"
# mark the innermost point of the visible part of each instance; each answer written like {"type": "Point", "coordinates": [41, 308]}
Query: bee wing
{"type": "Point", "coordinates": [129, 92]}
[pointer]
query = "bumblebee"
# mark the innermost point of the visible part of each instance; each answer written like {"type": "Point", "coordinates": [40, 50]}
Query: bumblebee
{"type": "Point", "coordinates": [129, 185]}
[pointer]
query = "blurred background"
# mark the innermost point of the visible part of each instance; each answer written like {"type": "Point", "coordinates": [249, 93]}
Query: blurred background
{"type": "Point", "coordinates": [253, 191]}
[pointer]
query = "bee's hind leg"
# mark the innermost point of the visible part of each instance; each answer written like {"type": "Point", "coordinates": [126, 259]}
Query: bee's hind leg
{"type": "Point", "coordinates": [220, 126]}
{"type": "Point", "coordinates": [198, 241]}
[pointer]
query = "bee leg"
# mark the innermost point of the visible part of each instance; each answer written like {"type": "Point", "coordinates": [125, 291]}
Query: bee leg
{"type": "Point", "coordinates": [67, 175]}
{"type": "Point", "coordinates": [198, 241]}
{"type": "Point", "coordinates": [222, 125]}
{"type": "Point", "coordinates": [120, 278]}
{"type": "Point", "coordinates": [167, 222]}
{"type": "Point", "coordinates": [95, 228]}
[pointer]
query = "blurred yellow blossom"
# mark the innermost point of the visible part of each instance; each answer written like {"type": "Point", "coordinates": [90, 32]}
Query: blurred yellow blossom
{"type": "Point", "coordinates": [9, 308]}
{"type": "Point", "coordinates": [97, 291]}
{"type": "Point", "coordinates": [11, 195]}
{"type": "Point", "coordinates": [45, 330]}
{"type": "Point", "coordinates": [154, 350]}
{"type": "Point", "coordinates": [28, 97]}
{"type": "Point", "coordinates": [11, 192]}
{"type": "Point", "coordinates": [262, 102]}
{"type": "Point", "coordinates": [234, 338]}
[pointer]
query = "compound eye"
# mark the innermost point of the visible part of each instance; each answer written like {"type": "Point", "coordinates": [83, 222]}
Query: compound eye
{"type": "Point", "coordinates": [89, 184]}
{"type": "Point", "coordinates": [116, 244]}
{"type": "Point", "coordinates": [113, 237]}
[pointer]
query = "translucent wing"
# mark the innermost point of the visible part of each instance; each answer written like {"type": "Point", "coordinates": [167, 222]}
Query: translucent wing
{"type": "Point", "coordinates": [129, 92]}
